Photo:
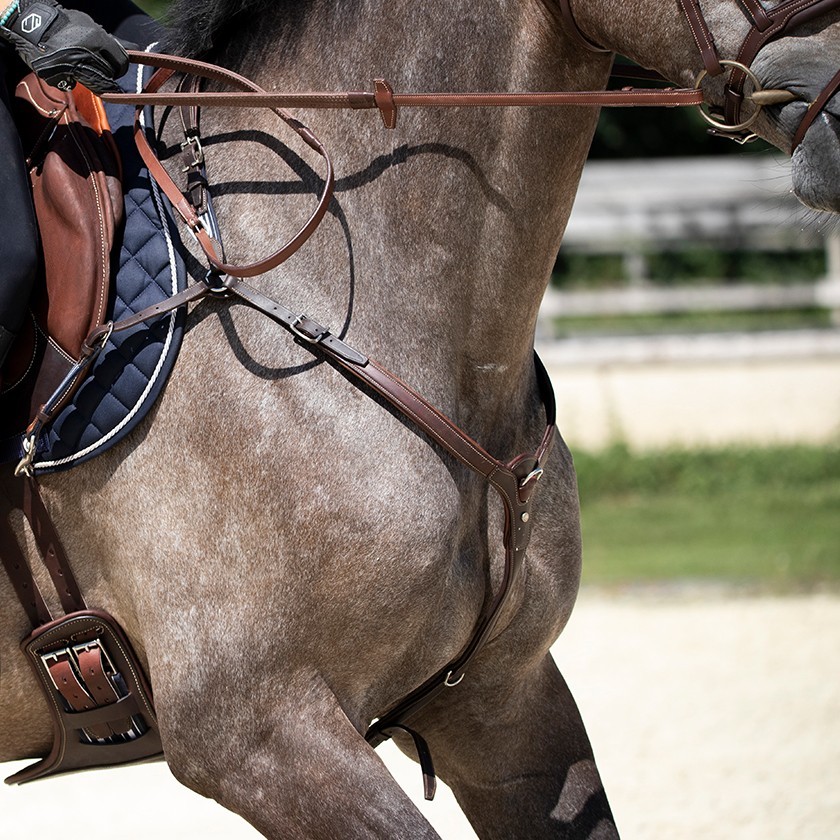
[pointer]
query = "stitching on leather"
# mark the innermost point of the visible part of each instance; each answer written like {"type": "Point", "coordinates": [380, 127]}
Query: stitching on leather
{"type": "Point", "coordinates": [103, 254]}
{"type": "Point", "coordinates": [483, 456]}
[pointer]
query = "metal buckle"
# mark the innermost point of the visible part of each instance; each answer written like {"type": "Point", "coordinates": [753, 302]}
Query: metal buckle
{"type": "Point", "coordinates": [215, 282]}
{"type": "Point", "coordinates": [448, 681]}
{"type": "Point", "coordinates": [534, 475]}
{"type": "Point", "coordinates": [194, 144]}
{"type": "Point", "coordinates": [25, 466]}
{"type": "Point", "coordinates": [53, 656]}
{"type": "Point", "coordinates": [96, 643]}
{"type": "Point", "coordinates": [325, 331]}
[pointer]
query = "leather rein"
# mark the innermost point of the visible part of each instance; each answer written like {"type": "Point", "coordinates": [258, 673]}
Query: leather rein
{"type": "Point", "coordinates": [766, 25]}
{"type": "Point", "coordinates": [514, 480]}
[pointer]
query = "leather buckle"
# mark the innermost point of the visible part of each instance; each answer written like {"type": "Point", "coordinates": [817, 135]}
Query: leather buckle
{"type": "Point", "coordinates": [95, 645]}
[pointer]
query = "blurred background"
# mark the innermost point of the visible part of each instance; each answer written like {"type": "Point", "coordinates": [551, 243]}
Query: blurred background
{"type": "Point", "coordinates": [692, 330]}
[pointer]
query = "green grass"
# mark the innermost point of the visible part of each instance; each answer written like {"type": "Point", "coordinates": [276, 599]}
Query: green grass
{"type": "Point", "coordinates": [764, 518]}
{"type": "Point", "coordinates": [691, 322]}
{"type": "Point", "coordinates": [156, 8]}
{"type": "Point", "coordinates": [690, 265]}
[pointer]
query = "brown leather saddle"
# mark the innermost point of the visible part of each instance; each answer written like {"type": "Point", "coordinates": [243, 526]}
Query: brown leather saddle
{"type": "Point", "coordinates": [74, 171]}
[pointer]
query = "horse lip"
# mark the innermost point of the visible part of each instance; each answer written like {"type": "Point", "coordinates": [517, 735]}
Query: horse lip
{"type": "Point", "coordinates": [816, 164]}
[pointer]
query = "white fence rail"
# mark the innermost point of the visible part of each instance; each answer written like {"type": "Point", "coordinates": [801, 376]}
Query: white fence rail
{"type": "Point", "coordinates": [647, 300]}
{"type": "Point", "coordinates": [667, 203]}
{"type": "Point", "coordinates": [634, 208]}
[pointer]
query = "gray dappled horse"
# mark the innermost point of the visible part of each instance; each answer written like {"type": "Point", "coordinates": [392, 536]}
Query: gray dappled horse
{"type": "Point", "coordinates": [290, 558]}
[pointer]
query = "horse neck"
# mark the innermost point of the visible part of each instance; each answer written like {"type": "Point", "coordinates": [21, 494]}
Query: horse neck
{"type": "Point", "coordinates": [657, 35]}
{"type": "Point", "coordinates": [455, 217]}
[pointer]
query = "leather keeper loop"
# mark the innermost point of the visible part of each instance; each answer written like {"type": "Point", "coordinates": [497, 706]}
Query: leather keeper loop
{"type": "Point", "coordinates": [384, 97]}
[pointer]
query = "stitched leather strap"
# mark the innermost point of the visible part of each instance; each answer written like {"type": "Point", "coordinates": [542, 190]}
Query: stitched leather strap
{"type": "Point", "coordinates": [380, 99]}
{"type": "Point", "coordinates": [702, 36]}
{"type": "Point", "coordinates": [782, 19]}
{"type": "Point", "coordinates": [20, 575]}
{"type": "Point", "coordinates": [24, 496]}
{"type": "Point", "coordinates": [815, 109]}
{"type": "Point", "coordinates": [94, 671]}
{"type": "Point", "coordinates": [570, 24]}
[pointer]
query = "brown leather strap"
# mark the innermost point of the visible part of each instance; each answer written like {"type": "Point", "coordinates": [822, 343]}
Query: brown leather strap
{"type": "Point", "coordinates": [514, 481]}
{"type": "Point", "coordinates": [702, 36]}
{"type": "Point", "coordinates": [52, 551]}
{"type": "Point", "coordinates": [783, 18]}
{"type": "Point", "coordinates": [815, 109]}
{"type": "Point", "coordinates": [23, 495]}
{"type": "Point", "coordinates": [191, 294]}
{"type": "Point", "coordinates": [379, 99]}
{"type": "Point", "coordinates": [182, 205]}
{"type": "Point", "coordinates": [760, 19]}
{"type": "Point", "coordinates": [20, 575]}
{"type": "Point", "coordinates": [667, 97]}
{"type": "Point", "coordinates": [570, 24]}
{"type": "Point", "coordinates": [97, 676]}
{"type": "Point", "coordinates": [63, 675]}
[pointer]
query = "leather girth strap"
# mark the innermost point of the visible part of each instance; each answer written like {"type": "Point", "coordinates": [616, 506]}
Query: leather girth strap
{"type": "Point", "coordinates": [97, 694]}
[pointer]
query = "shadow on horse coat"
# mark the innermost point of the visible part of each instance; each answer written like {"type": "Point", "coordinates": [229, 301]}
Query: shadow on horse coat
{"type": "Point", "coordinates": [289, 557]}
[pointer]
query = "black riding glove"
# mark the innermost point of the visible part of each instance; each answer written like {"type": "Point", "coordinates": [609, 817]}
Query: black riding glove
{"type": "Point", "coordinates": [65, 46]}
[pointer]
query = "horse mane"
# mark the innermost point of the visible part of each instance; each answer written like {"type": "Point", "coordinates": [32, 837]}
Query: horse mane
{"type": "Point", "coordinates": [200, 29]}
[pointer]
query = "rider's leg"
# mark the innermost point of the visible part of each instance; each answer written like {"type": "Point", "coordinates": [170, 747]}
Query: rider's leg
{"type": "Point", "coordinates": [19, 237]}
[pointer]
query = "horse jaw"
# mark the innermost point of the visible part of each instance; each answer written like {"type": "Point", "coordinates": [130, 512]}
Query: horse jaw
{"type": "Point", "coordinates": [804, 66]}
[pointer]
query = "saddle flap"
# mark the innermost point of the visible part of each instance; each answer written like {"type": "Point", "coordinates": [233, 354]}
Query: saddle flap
{"type": "Point", "coordinates": [76, 189]}
{"type": "Point", "coordinates": [74, 170]}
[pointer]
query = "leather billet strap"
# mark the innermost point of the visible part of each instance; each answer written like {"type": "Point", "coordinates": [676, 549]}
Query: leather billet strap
{"type": "Point", "coordinates": [17, 568]}
{"type": "Point", "coordinates": [23, 495]}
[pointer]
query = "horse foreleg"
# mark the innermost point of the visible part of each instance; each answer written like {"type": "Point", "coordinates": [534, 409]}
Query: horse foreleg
{"type": "Point", "coordinates": [517, 756]}
{"type": "Point", "coordinates": [287, 759]}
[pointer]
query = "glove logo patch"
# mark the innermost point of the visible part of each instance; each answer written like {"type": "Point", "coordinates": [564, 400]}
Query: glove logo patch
{"type": "Point", "coordinates": [31, 23]}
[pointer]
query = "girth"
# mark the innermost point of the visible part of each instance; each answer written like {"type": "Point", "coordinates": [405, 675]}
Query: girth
{"type": "Point", "coordinates": [766, 25]}
{"type": "Point", "coordinates": [98, 697]}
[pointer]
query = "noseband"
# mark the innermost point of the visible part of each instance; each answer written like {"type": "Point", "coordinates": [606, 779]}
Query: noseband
{"type": "Point", "coordinates": [766, 25]}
